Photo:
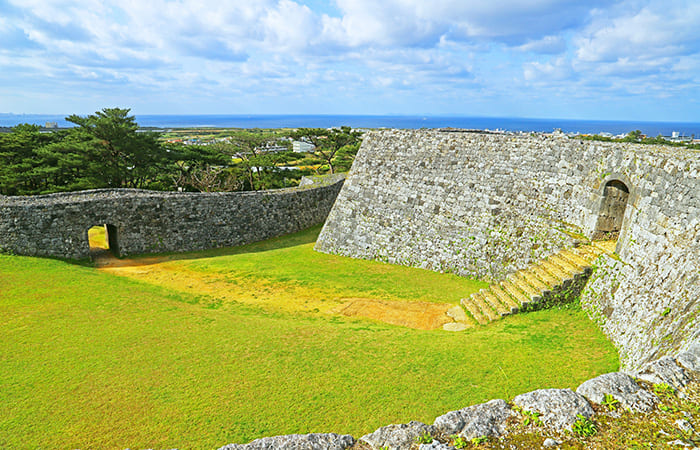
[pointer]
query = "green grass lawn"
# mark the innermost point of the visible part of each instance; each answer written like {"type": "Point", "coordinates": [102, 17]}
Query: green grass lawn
{"type": "Point", "coordinates": [289, 263]}
{"type": "Point", "coordinates": [92, 360]}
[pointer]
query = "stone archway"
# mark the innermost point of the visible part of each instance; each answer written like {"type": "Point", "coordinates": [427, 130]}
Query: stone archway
{"type": "Point", "coordinates": [103, 241]}
{"type": "Point", "coordinates": [612, 211]}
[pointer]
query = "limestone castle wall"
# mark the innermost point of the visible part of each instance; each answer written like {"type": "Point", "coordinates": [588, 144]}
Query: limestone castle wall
{"type": "Point", "coordinates": [488, 204]}
{"type": "Point", "coordinates": [141, 221]}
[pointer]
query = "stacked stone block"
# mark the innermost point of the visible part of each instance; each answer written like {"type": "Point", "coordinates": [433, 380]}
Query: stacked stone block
{"type": "Point", "coordinates": [56, 225]}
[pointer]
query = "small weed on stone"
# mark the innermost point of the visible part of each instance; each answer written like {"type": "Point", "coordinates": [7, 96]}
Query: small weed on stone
{"type": "Point", "coordinates": [610, 402]}
{"type": "Point", "coordinates": [664, 390]}
{"type": "Point", "coordinates": [584, 427]}
{"type": "Point", "coordinates": [424, 438]}
{"type": "Point", "coordinates": [459, 442]}
{"type": "Point", "coordinates": [479, 440]}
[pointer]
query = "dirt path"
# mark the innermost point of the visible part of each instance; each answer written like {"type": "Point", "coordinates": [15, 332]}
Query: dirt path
{"type": "Point", "coordinates": [215, 290]}
{"type": "Point", "coordinates": [417, 315]}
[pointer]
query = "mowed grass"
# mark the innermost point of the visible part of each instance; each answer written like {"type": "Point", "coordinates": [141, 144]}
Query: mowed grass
{"type": "Point", "coordinates": [92, 360]}
{"type": "Point", "coordinates": [290, 264]}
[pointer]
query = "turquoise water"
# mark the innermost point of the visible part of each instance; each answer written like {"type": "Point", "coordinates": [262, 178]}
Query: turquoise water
{"type": "Point", "coordinates": [325, 121]}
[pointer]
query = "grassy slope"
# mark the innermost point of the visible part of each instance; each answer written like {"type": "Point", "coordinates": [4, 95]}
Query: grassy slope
{"type": "Point", "coordinates": [289, 268]}
{"type": "Point", "coordinates": [90, 360]}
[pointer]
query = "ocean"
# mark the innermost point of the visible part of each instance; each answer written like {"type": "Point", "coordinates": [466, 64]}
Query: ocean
{"type": "Point", "coordinates": [368, 121]}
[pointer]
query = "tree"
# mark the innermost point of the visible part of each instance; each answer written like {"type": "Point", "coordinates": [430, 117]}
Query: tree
{"type": "Point", "coordinates": [70, 163]}
{"type": "Point", "coordinates": [202, 168]}
{"type": "Point", "coordinates": [127, 158]}
{"type": "Point", "coordinates": [19, 160]}
{"type": "Point", "coordinates": [214, 179]}
{"type": "Point", "coordinates": [345, 157]}
{"type": "Point", "coordinates": [249, 154]}
{"type": "Point", "coordinates": [107, 149]}
{"type": "Point", "coordinates": [328, 142]}
{"type": "Point", "coordinates": [634, 136]}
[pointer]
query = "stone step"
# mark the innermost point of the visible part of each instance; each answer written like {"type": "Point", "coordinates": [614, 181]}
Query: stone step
{"type": "Point", "coordinates": [521, 283]}
{"type": "Point", "coordinates": [574, 259]}
{"type": "Point", "coordinates": [587, 252]}
{"type": "Point", "coordinates": [564, 264]}
{"type": "Point", "coordinates": [521, 298]}
{"type": "Point", "coordinates": [529, 278]}
{"type": "Point", "coordinates": [607, 247]}
{"type": "Point", "coordinates": [554, 269]}
{"type": "Point", "coordinates": [505, 298]}
{"type": "Point", "coordinates": [456, 326]}
{"type": "Point", "coordinates": [546, 277]}
{"type": "Point", "coordinates": [462, 321]}
{"type": "Point", "coordinates": [494, 302]}
{"type": "Point", "coordinates": [457, 314]}
{"type": "Point", "coordinates": [529, 286]}
{"type": "Point", "coordinates": [474, 310]}
{"type": "Point", "coordinates": [486, 308]}
{"type": "Point", "coordinates": [592, 251]}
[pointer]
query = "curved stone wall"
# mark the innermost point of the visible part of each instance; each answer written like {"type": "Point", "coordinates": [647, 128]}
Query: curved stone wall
{"type": "Point", "coordinates": [488, 204]}
{"type": "Point", "coordinates": [141, 221]}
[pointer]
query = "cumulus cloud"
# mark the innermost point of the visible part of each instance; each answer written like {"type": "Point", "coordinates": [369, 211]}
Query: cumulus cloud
{"type": "Point", "coordinates": [420, 23]}
{"type": "Point", "coordinates": [356, 50]}
{"type": "Point", "coordinates": [641, 40]}
{"type": "Point", "coordinates": [636, 48]}
{"type": "Point", "coordinates": [290, 26]}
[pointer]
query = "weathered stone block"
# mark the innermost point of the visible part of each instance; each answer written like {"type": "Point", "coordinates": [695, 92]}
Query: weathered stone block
{"type": "Point", "coordinates": [485, 419]}
{"type": "Point", "coordinates": [622, 387]}
{"type": "Point", "coordinates": [558, 408]}
{"type": "Point", "coordinates": [397, 437]}
{"type": "Point", "coordinates": [314, 441]}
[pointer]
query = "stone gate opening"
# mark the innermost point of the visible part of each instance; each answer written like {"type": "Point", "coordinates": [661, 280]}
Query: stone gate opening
{"type": "Point", "coordinates": [103, 241]}
{"type": "Point", "coordinates": [612, 211]}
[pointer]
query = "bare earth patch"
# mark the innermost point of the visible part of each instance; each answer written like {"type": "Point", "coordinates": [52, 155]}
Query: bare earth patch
{"type": "Point", "coordinates": [417, 315]}
{"type": "Point", "coordinates": [218, 289]}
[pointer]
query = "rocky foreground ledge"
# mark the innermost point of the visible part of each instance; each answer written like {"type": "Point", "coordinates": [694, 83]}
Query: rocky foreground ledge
{"type": "Point", "coordinates": [549, 417]}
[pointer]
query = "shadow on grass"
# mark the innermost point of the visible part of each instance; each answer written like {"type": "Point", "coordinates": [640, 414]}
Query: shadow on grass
{"type": "Point", "coordinates": [106, 259]}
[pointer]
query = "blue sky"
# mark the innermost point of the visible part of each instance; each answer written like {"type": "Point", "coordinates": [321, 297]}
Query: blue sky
{"type": "Point", "coordinates": [624, 60]}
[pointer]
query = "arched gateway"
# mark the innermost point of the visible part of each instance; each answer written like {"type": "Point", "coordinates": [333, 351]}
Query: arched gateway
{"type": "Point", "coordinates": [103, 239]}
{"type": "Point", "coordinates": [612, 210]}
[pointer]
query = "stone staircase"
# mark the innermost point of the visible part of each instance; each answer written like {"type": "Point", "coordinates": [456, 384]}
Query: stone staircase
{"type": "Point", "coordinates": [557, 278]}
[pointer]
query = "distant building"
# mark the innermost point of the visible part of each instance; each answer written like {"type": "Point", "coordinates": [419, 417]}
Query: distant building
{"type": "Point", "coordinates": [677, 137]}
{"type": "Point", "coordinates": [302, 147]}
{"type": "Point", "coordinates": [51, 125]}
{"type": "Point", "coordinates": [274, 149]}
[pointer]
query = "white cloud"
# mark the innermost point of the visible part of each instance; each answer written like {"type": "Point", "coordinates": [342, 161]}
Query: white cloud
{"type": "Point", "coordinates": [420, 23]}
{"type": "Point", "coordinates": [359, 52]}
{"type": "Point", "coordinates": [547, 45]}
{"type": "Point", "coordinates": [645, 37]}
{"type": "Point", "coordinates": [290, 26]}
{"type": "Point", "coordinates": [547, 72]}
{"type": "Point", "coordinates": [636, 49]}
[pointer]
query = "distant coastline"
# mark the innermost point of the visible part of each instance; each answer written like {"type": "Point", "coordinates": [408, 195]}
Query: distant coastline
{"type": "Point", "coordinates": [365, 121]}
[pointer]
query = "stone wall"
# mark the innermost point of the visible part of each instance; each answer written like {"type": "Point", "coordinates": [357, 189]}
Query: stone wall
{"type": "Point", "coordinates": [488, 204]}
{"type": "Point", "coordinates": [647, 299]}
{"type": "Point", "coordinates": [474, 204]}
{"type": "Point", "coordinates": [56, 225]}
